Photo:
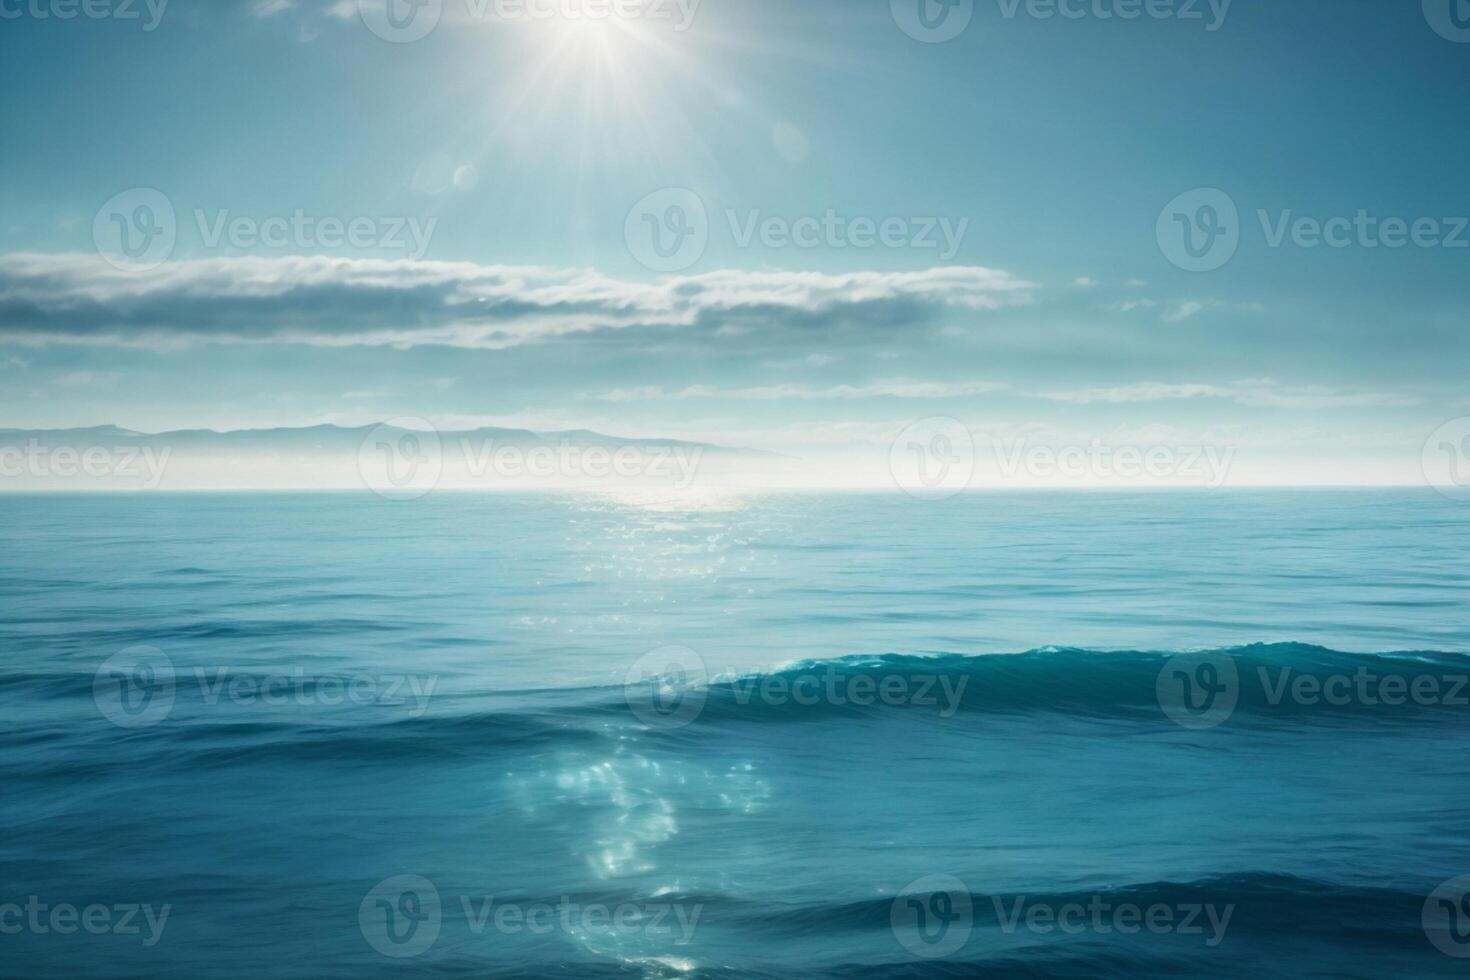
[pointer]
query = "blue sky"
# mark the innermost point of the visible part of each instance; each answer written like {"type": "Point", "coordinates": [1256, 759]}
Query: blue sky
{"type": "Point", "coordinates": [1021, 170]}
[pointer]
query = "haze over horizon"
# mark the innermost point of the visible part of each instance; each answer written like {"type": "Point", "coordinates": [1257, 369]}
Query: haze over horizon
{"type": "Point", "coordinates": [684, 224]}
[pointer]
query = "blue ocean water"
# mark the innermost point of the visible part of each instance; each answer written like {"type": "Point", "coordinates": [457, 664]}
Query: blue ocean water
{"type": "Point", "coordinates": [337, 736]}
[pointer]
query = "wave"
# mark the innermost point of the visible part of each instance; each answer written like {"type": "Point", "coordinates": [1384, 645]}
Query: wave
{"type": "Point", "coordinates": [1266, 903]}
{"type": "Point", "coordinates": [1264, 924]}
{"type": "Point", "coordinates": [1287, 683]}
{"type": "Point", "coordinates": [1282, 685]}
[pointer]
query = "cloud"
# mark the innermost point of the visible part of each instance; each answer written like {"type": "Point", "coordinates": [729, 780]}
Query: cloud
{"type": "Point", "coordinates": [1084, 282]}
{"type": "Point", "coordinates": [1255, 393]}
{"type": "Point", "coordinates": [809, 361]}
{"type": "Point", "coordinates": [880, 389]}
{"type": "Point", "coordinates": [87, 379]}
{"type": "Point", "coordinates": [1129, 305]}
{"type": "Point", "coordinates": [268, 8]}
{"type": "Point", "coordinates": [1177, 312]}
{"type": "Point", "coordinates": [1180, 310]}
{"type": "Point", "coordinates": [76, 298]}
{"type": "Point", "coordinates": [1183, 311]}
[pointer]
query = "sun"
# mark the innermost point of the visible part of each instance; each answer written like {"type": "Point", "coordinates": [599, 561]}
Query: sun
{"type": "Point", "coordinates": [619, 53]}
{"type": "Point", "coordinates": [594, 110]}
{"type": "Point", "coordinates": [606, 36]}
{"type": "Point", "coordinates": [590, 88]}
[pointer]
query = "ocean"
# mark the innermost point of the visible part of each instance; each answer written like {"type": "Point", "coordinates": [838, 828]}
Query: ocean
{"type": "Point", "coordinates": [805, 735]}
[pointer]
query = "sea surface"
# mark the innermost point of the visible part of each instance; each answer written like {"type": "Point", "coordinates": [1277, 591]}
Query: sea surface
{"type": "Point", "coordinates": [1213, 734]}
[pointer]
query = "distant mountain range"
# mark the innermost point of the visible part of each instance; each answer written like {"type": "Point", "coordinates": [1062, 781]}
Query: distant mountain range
{"type": "Point", "coordinates": [398, 459]}
{"type": "Point", "coordinates": [327, 437]}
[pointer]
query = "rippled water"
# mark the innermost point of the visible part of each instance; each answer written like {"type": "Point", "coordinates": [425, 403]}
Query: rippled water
{"type": "Point", "coordinates": [339, 736]}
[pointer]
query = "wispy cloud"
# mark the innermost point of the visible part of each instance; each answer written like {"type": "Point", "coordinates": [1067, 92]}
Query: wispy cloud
{"type": "Point", "coordinates": [816, 360]}
{"type": "Point", "coordinates": [1177, 311]}
{"type": "Point", "coordinates": [880, 389]}
{"type": "Point", "coordinates": [267, 8]}
{"type": "Point", "coordinates": [1183, 311]}
{"type": "Point", "coordinates": [1254, 393]}
{"type": "Point", "coordinates": [1129, 305]}
{"type": "Point", "coordinates": [47, 298]}
{"type": "Point", "coordinates": [87, 379]}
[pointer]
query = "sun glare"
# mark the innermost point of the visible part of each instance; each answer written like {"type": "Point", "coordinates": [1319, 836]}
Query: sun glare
{"type": "Point", "coordinates": [577, 90]}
